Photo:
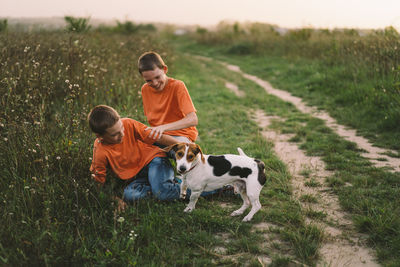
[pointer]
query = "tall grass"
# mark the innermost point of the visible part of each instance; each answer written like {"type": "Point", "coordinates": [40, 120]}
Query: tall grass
{"type": "Point", "coordinates": [48, 83]}
{"type": "Point", "coordinates": [354, 74]}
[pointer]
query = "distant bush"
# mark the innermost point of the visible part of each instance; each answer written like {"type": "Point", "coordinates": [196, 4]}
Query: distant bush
{"type": "Point", "coordinates": [77, 24]}
{"type": "Point", "coordinates": [3, 25]}
{"type": "Point", "coordinates": [242, 48]}
{"type": "Point", "coordinates": [201, 30]}
{"type": "Point", "coordinates": [127, 27]}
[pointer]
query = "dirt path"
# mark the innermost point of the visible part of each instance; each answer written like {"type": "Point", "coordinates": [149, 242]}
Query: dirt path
{"type": "Point", "coordinates": [374, 154]}
{"type": "Point", "coordinates": [342, 245]}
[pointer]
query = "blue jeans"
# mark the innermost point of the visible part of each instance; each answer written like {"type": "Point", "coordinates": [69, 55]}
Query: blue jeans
{"type": "Point", "coordinates": [154, 179]}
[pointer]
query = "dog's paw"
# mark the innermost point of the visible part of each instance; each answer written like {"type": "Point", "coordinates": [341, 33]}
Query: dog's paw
{"type": "Point", "coordinates": [182, 196]}
{"type": "Point", "coordinates": [236, 213]}
{"type": "Point", "coordinates": [188, 210]}
{"type": "Point", "coordinates": [247, 218]}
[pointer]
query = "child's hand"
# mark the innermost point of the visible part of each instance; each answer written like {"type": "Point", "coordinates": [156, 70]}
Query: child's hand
{"type": "Point", "coordinates": [156, 132]}
{"type": "Point", "coordinates": [121, 205]}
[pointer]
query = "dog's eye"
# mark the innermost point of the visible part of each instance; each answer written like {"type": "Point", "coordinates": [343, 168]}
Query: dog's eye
{"type": "Point", "coordinates": [179, 154]}
{"type": "Point", "coordinates": [190, 157]}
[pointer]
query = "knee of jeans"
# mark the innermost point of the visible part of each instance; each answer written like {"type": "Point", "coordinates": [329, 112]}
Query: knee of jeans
{"type": "Point", "coordinates": [157, 160]}
{"type": "Point", "coordinates": [128, 195]}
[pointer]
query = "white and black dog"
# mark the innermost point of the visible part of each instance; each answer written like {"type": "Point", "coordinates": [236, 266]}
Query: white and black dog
{"type": "Point", "coordinates": [202, 172]}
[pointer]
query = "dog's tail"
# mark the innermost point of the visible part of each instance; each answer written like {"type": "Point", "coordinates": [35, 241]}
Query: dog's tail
{"type": "Point", "coordinates": [241, 153]}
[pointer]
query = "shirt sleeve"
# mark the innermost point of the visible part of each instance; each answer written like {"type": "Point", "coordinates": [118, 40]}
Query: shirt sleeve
{"type": "Point", "coordinates": [99, 165]}
{"type": "Point", "coordinates": [184, 100]}
{"type": "Point", "coordinates": [140, 132]}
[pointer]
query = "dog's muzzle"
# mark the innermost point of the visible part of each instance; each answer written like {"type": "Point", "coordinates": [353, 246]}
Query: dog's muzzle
{"type": "Point", "coordinates": [182, 169]}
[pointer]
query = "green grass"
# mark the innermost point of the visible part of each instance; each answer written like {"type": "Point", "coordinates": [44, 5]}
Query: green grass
{"type": "Point", "coordinates": [53, 212]}
{"type": "Point", "coordinates": [369, 193]}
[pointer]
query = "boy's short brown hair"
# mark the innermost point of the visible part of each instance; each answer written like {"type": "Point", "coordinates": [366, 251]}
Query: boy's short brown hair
{"type": "Point", "coordinates": [149, 61]}
{"type": "Point", "coordinates": [101, 118]}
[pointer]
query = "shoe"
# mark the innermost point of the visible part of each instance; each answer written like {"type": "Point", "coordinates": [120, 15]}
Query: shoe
{"type": "Point", "coordinates": [227, 190]}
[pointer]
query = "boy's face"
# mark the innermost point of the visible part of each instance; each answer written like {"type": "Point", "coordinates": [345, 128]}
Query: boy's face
{"type": "Point", "coordinates": [114, 134]}
{"type": "Point", "coordinates": [156, 78]}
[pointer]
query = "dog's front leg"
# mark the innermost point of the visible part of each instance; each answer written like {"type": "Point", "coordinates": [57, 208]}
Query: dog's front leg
{"type": "Point", "coordinates": [183, 188]}
{"type": "Point", "coordinates": [192, 203]}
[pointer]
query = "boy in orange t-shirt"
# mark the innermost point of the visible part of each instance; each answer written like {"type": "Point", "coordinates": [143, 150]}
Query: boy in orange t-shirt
{"type": "Point", "coordinates": [166, 101]}
{"type": "Point", "coordinates": [124, 145]}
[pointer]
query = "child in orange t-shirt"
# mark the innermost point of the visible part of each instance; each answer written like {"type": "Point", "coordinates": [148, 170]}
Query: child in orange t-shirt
{"type": "Point", "coordinates": [166, 101]}
{"type": "Point", "coordinates": [124, 145]}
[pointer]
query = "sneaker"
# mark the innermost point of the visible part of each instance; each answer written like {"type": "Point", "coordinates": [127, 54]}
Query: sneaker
{"type": "Point", "coordinates": [227, 190]}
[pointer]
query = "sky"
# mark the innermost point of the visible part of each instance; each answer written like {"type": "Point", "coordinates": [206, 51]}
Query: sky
{"type": "Point", "coordinates": [284, 13]}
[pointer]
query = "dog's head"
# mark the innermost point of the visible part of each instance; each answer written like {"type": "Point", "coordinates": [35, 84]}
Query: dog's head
{"type": "Point", "coordinates": [186, 155]}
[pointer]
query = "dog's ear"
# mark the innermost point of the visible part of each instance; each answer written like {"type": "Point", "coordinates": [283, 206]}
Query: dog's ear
{"type": "Point", "coordinates": [173, 147]}
{"type": "Point", "coordinates": [198, 150]}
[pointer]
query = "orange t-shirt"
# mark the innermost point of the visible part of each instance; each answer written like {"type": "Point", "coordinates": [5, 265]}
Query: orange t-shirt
{"type": "Point", "coordinates": [127, 158]}
{"type": "Point", "coordinates": [173, 103]}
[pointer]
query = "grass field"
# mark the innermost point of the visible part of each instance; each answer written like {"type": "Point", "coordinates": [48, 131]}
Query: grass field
{"type": "Point", "coordinates": [55, 215]}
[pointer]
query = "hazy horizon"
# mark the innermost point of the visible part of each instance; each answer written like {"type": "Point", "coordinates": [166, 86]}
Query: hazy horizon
{"type": "Point", "coordinates": [367, 14]}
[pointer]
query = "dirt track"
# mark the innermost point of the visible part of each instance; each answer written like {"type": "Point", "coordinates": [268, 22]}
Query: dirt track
{"type": "Point", "coordinates": [342, 245]}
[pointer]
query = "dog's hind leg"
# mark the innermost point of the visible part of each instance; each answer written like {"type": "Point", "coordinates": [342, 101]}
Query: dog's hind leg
{"type": "Point", "coordinates": [241, 188]}
{"type": "Point", "coordinates": [255, 205]}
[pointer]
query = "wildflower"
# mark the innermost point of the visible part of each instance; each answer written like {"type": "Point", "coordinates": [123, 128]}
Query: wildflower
{"type": "Point", "coordinates": [5, 139]}
{"type": "Point", "coordinates": [121, 219]}
{"type": "Point", "coordinates": [33, 150]}
{"type": "Point", "coordinates": [66, 81]}
{"type": "Point", "coordinates": [26, 187]}
{"type": "Point", "coordinates": [34, 178]}
{"type": "Point", "coordinates": [26, 49]}
{"type": "Point", "coordinates": [132, 234]}
{"type": "Point", "coordinates": [1, 124]}
{"type": "Point", "coordinates": [58, 157]}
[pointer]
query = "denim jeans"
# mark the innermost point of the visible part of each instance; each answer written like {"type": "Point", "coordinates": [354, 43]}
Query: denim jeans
{"type": "Point", "coordinates": [154, 179]}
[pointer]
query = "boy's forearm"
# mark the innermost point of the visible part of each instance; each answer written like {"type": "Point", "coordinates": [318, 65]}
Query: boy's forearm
{"type": "Point", "coordinates": [188, 121]}
{"type": "Point", "coordinates": [167, 140]}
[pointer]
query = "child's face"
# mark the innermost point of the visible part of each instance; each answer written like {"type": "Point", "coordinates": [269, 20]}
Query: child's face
{"type": "Point", "coordinates": [114, 134]}
{"type": "Point", "coordinates": [156, 78]}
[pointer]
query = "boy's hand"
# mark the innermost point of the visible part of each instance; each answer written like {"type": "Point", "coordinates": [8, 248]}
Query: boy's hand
{"type": "Point", "coordinates": [156, 132]}
{"type": "Point", "coordinates": [121, 205]}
